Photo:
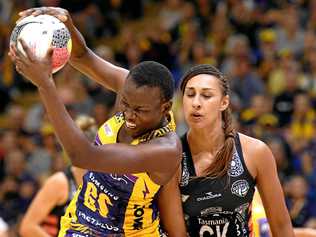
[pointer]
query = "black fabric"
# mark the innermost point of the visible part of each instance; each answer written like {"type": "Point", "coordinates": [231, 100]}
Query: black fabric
{"type": "Point", "coordinates": [220, 206]}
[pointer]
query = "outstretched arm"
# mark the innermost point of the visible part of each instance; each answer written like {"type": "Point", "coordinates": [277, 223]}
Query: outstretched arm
{"type": "Point", "coordinates": [82, 58]}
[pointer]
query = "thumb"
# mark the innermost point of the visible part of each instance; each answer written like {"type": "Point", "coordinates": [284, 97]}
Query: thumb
{"type": "Point", "coordinates": [49, 53]}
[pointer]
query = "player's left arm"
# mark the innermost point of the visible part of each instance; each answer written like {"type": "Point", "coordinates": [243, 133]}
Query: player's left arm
{"type": "Point", "coordinates": [271, 191]}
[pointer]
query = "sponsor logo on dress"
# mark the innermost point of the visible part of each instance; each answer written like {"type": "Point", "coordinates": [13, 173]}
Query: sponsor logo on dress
{"type": "Point", "coordinates": [96, 222]}
{"type": "Point", "coordinates": [240, 188]}
{"type": "Point", "coordinates": [108, 130]}
{"type": "Point", "coordinates": [126, 178]}
{"type": "Point", "coordinates": [212, 210]}
{"type": "Point", "coordinates": [242, 209]}
{"type": "Point", "coordinates": [209, 195]}
{"type": "Point", "coordinates": [103, 188]}
{"type": "Point", "coordinates": [222, 224]}
{"type": "Point", "coordinates": [184, 198]}
{"type": "Point", "coordinates": [185, 172]}
{"type": "Point", "coordinates": [219, 221]}
{"type": "Point", "coordinates": [138, 217]}
{"type": "Point", "coordinates": [236, 167]}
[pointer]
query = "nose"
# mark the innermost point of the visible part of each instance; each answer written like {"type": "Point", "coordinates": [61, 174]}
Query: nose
{"type": "Point", "coordinates": [129, 114]}
{"type": "Point", "coordinates": [196, 102]}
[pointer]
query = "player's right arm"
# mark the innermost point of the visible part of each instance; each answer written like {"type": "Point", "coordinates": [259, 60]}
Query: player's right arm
{"type": "Point", "coordinates": [170, 208]}
{"type": "Point", "coordinates": [160, 156]}
{"type": "Point", "coordinates": [108, 75]}
{"type": "Point", "coordinates": [53, 193]}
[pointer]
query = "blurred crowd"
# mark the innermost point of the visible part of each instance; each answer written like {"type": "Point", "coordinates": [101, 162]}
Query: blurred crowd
{"type": "Point", "coordinates": [266, 48]}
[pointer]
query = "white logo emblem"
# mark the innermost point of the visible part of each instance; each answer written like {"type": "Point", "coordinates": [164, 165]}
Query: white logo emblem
{"type": "Point", "coordinates": [208, 196]}
{"type": "Point", "coordinates": [108, 130]}
{"type": "Point", "coordinates": [210, 210]}
{"type": "Point", "coordinates": [185, 172]}
{"type": "Point", "coordinates": [184, 197]}
{"type": "Point", "coordinates": [242, 209]}
{"type": "Point", "coordinates": [240, 188]}
{"type": "Point", "coordinates": [236, 167]}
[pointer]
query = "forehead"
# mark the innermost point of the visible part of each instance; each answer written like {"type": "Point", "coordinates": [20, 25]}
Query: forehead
{"type": "Point", "coordinates": [203, 81]}
{"type": "Point", "coordinates": [140, 95]}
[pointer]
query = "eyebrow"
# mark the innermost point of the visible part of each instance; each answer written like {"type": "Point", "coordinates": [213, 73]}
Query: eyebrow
{"type": "Point", "coordinates": [142, 106]}
{"type": "Point", "coordinates": [203, 89]}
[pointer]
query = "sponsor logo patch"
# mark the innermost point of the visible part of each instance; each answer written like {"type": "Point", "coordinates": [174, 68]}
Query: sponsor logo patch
{"type": "Point", "coordinates": [240, 188]}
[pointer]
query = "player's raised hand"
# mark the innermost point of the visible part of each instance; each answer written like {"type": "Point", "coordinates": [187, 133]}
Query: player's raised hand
{"type": "Point", "coordinates": [36, 70]}
{"type": "Point", "coordinates": [79, 46]}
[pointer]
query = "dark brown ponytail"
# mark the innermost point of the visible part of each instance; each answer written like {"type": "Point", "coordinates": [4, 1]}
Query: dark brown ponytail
{"type": "Point", "coordinates": [223, 158]}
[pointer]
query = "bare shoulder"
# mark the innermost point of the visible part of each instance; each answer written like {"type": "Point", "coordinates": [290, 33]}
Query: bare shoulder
{"type": "Point", "coordinates": [257, 154]}
{"type": "Point", "coordinates": [57, 179]}
{"type": "Point", "coordinates": [171, 139]}
{"type": "Point", "coordinates": [57, 184]}
{"type": "Point", "coordinates": [253, 146]}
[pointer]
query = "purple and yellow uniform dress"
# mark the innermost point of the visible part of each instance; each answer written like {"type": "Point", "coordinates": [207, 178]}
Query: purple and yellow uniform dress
{"type": "Point", "coordinates": [109, 204]}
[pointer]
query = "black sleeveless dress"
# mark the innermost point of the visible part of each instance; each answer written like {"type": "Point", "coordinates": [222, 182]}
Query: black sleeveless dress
{"type": "Point", "coordinates": [218, 207]}
{"type": "Point", "coordinates": [51, 224]}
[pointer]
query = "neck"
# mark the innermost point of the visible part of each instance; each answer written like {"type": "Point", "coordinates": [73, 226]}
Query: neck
{"type": "Point", "coordinates": [124, 137]}
{"type": "Point", "coordinates": [210, 139]}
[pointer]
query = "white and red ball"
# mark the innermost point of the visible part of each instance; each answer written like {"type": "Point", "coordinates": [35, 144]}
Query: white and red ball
{"type": "Point", "coordinates": [40, 33]}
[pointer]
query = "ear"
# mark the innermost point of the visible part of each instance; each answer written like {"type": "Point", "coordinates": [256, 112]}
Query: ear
{"type": "Point", "coordinates": [225, 102]}
{"type": "Point", "coordinates": [166, 107]}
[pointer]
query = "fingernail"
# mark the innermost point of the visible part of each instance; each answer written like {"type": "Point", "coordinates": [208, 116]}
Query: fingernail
{"type": "Point", "coordinates": [62, 18]}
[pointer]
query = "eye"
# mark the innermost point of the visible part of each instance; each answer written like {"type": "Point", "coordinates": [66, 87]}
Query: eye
{"type": "Point", "coordinates": [190, 93]}
{"type": "Point", "coordinates": [207, 96]}
{"type": "Point", "coordinates": [141, 110]}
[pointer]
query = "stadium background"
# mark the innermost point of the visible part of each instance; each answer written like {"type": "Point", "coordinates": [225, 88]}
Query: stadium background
{"type": "Point", "coordinates": [267, 48]}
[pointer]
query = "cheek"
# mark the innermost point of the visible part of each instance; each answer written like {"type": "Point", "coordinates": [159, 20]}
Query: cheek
{"type": "Point", "coordinates": [186, 105]}
{"type": "Point", "coordinates": [149, 120]}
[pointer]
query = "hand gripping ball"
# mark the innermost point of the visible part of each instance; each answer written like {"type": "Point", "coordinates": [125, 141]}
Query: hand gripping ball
{"type": "Point", "coordinates": [40, 33]}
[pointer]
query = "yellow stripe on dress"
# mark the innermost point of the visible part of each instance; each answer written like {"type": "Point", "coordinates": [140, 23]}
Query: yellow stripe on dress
{"type": "Point", "coordinates": [107, 133]}
{"type": "Point", "coordinates": [139, 213]}
{"type": "Point", "coordinates": [70, 215]}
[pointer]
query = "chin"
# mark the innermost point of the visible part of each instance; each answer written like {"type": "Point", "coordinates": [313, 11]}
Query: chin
{"type": "Point", "coordinates": [134, 133]}
{"type": "Point", "coordinates": [131, 132]}
{"type": "Point", "coordinates": [197, 125]}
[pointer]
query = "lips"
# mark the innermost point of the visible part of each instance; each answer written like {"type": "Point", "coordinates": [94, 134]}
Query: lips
{"type": "Point", "coordinates": [195, 116]}
{"type": "Point", "coordinates": [130, 125]}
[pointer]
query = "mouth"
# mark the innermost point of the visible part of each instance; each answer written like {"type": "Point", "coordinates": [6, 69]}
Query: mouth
{"type": "Point", "coordinates": [196, 116]}
{"type": "Point", "coordinates": [130, 125]}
